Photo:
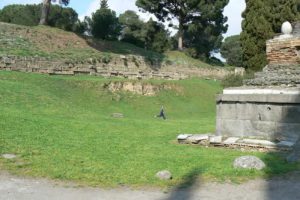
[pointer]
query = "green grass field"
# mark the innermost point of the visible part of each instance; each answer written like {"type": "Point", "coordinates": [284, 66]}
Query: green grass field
{"type": "Point", "coordinates": [61, 128]}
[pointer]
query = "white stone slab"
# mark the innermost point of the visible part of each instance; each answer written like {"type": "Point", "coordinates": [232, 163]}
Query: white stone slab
{"type": "Point", "coordinates": [183, 136]}
{"type": "Point", "coordinates": [215, 139]}
{"type": "Point", "coordinates": [261, 91]}
{"type": "Point", "coordinates": [259, 142]}
{"type": "Point", "coordinates": [231, 140]}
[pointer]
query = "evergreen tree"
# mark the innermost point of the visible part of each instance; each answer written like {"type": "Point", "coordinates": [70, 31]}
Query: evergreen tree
{"type": "Point", "coordinates": [150, 35]}
{"type": "Point", "coordinates": [132, 27]}
{"type": "Point", "coordinates": [204, 33]}
{"type": "Point", "coordinates": [104, 24]}
{"type": "Point", "coordinates": [202, 14]}
{"type": "Point", "coordinates": [256, 30]}
{"type": "Point", "coordinates": [185, 11]}
{"type": "Point", "coordinates": [231, 50]}
{"type": "Point", "coordinates": [104, 4]}
{"type": "Point", "coordinates": [155, 37]}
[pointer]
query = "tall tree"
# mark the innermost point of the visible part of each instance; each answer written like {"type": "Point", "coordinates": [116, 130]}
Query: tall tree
{"type": "Point", "coordinates": [46, 10]}
{"type": "Point", "coordinates": [204, 33]}
{"type": "Point", "coordinates": [185, 11]}
{"type": "Point", "coordinates": [104, 24]}
{"type": "Point", "coordinates": [155, 37]}
{"type": "Point", "coordinates": [104, 4]}
{"type": "Point", "coordinates": [131, 28]}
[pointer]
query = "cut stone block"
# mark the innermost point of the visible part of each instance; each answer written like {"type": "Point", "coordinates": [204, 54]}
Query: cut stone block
{"type": "Point", "coordinates": [197, 138]}
{"type": "Point", "coordinates": [215, 139]}
{"type": "Point", "coordinates": [231, 140]}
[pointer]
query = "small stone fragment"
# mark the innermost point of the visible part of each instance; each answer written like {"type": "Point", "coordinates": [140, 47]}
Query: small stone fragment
{"type": "Point", "coordinates": [164, 175]}
{"type": "Point", "coordinates": [117, 115]}
{"type": "Point", "coordinates": [249, 162]}
{"type": "Point", "coordinates": [9, 156]}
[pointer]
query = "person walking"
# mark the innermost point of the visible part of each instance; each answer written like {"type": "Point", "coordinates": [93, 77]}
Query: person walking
{"type": "Point", "coordinates": [162, 113]}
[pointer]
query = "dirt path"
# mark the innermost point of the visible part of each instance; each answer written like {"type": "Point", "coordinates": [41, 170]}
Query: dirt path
{"type": "Point", "coordinates": [16, 188]}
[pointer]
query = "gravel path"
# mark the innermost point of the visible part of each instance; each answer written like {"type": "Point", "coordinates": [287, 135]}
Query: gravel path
{"type": "Point", "coordinates": [16, 188]}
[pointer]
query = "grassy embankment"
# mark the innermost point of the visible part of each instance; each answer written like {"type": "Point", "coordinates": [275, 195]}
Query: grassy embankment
{"type": "Point", "coordinates": [56, 44]}
{"type": "Point", "coordinates": [61, 128]}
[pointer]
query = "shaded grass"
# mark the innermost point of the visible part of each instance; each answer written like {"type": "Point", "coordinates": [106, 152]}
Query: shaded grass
{"type": "Point", "coordinates": [61, 128]}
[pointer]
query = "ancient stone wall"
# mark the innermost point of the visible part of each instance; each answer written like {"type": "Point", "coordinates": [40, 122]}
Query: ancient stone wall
{"type": "Point", "coordinates": [131, 67]}
{"type": "Point", "coordinates": [284, 50]}
{"type": "Point", "coordinates": [263, 116]}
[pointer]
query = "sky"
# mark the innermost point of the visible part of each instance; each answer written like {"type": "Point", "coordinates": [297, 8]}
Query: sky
{"type": "Point", "coordinates": [84, 8]}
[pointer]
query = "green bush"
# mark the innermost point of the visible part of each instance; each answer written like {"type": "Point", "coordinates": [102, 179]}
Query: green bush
{"type": "Point", "coordinates": [232, 80]}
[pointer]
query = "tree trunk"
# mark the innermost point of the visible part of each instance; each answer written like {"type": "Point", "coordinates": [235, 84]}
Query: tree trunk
{"type": "Point", "coordinates": [180, 36]}
{"type": "Point", "coordinates": [180, 42]}
{"type": "Point", "coordinates": [45, 12]}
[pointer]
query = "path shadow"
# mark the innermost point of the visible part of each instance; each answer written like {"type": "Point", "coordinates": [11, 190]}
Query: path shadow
{"type": "Point", "coordinates": [185, 190]}
{"type": "Point", "coordinates": [287, 186]}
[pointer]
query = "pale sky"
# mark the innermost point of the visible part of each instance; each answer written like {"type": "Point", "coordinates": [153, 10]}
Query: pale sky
{"type": "Point", "coordinates": [232, 11]}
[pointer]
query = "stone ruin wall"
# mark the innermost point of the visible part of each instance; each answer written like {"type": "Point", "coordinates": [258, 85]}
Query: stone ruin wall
{"type": "Point", "coordinates": [285, 51]}
{"type": "Point", "coordinates": [268, 106]}
{"type": "Point", "coordinates": [131, 67]}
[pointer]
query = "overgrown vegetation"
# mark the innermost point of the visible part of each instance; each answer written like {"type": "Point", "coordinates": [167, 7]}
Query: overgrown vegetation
{"type": "Point", "coordinates": [61, 128]}
{"type": "Point", "coordinates": [236, 80]}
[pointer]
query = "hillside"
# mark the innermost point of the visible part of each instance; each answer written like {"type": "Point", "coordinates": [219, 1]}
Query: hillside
{"type": "Point", "coordinates": [48, 50]}
{"type": "Point", "coordinates": [55, 43]}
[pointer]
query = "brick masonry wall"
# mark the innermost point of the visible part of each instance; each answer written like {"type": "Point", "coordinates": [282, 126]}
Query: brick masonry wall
{"type": "Point", "coordinates": [284, 50]}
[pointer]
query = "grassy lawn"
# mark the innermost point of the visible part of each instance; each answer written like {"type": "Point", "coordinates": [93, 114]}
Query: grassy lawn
{"type": "Point", "coordinates": [61, 128]}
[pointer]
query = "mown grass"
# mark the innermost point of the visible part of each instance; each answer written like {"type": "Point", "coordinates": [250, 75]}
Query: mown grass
{"type": "Point", "coordinates": [61, 128]}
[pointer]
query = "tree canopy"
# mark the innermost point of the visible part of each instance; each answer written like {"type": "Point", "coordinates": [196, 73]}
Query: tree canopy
{"type": "Point", "coordinates": [104, 24]}
{"type": "Point", "coordinates": [46, 10]}
{"type": "Point", "coordinates": [29, 15]}
{"type": "Point", "coordinates": [193, 16]}
{"type": "Point", "coordinates": [231, 50]}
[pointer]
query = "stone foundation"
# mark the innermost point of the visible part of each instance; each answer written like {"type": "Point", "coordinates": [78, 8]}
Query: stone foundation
{"type": "Point", "coordinates": [270, 114]}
